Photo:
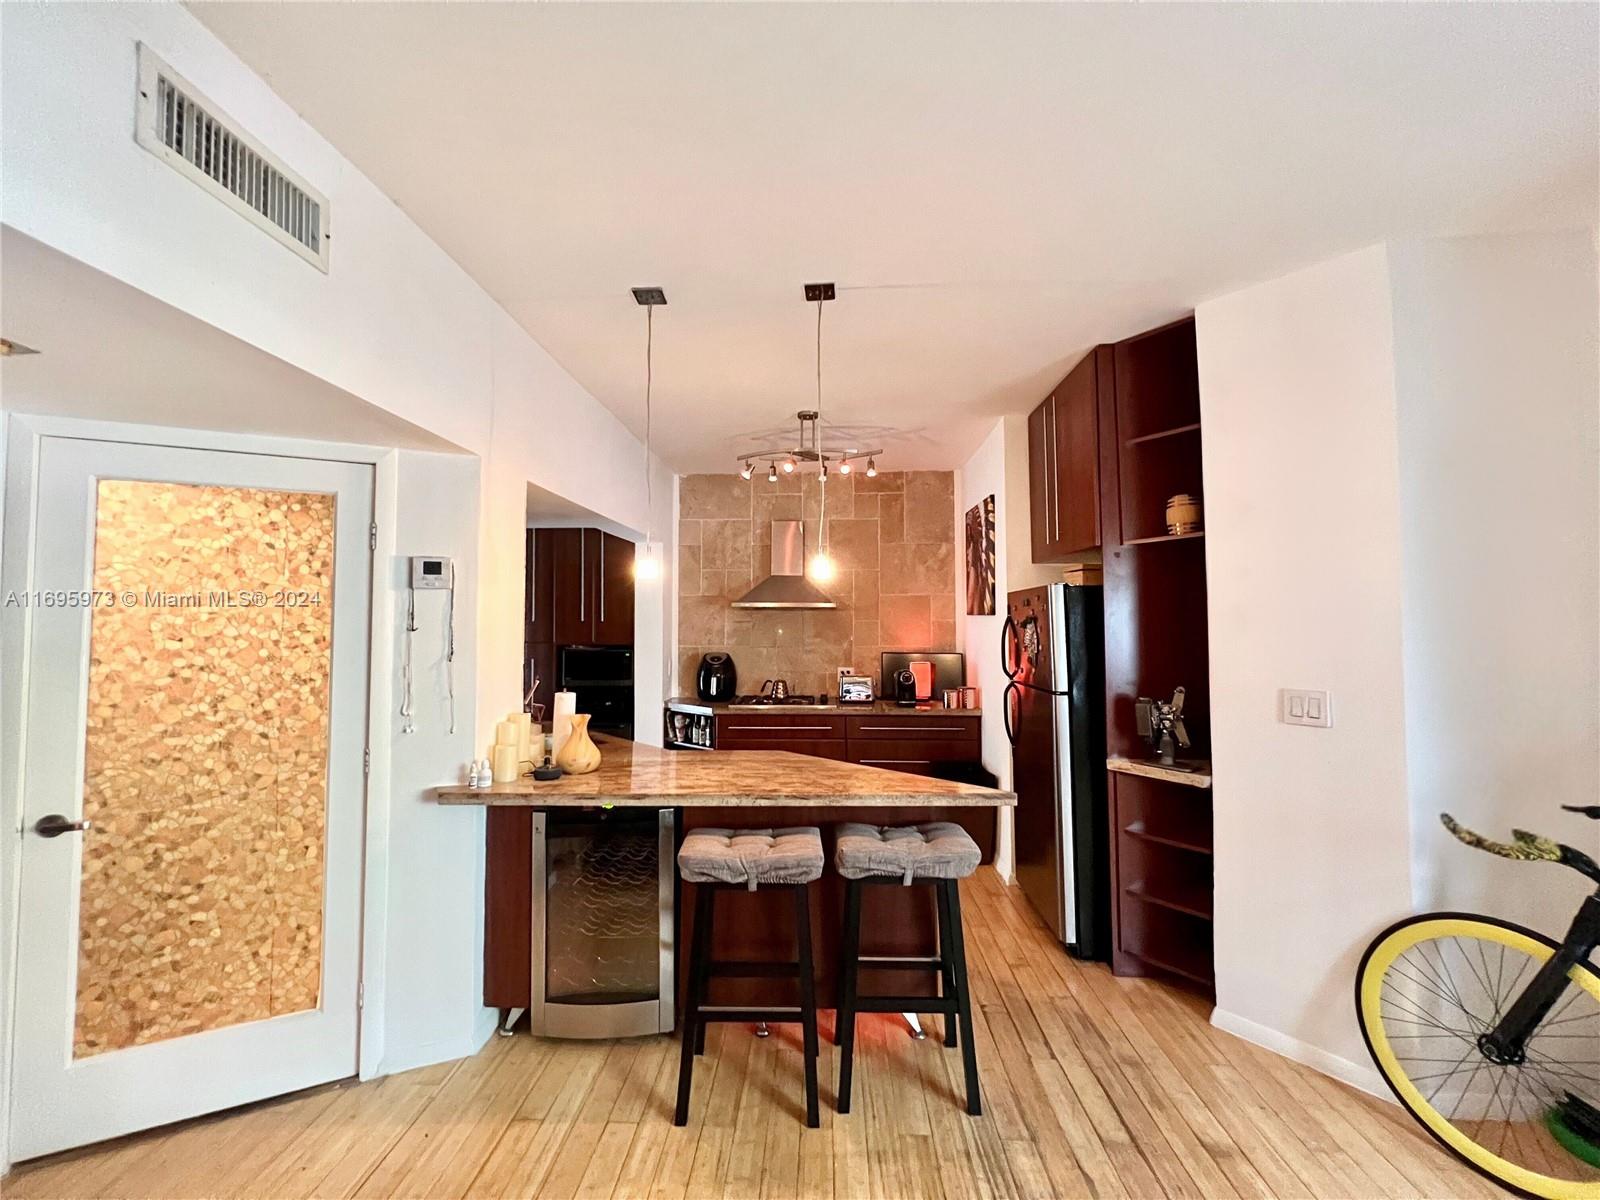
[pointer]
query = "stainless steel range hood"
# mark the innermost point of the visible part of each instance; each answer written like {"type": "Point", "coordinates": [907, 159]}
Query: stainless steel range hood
{"type": "Point", "coordinates": [787, 586]}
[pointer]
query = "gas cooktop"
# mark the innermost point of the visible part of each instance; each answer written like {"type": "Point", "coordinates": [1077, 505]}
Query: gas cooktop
{"type": "Point", "coordinates": [791, 701]}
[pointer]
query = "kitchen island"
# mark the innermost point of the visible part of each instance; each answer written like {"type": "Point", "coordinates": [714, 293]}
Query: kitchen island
{"type": "Point", "coordinates": [560, 901]}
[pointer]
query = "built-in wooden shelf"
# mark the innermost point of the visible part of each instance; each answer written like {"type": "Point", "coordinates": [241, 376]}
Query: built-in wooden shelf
{"type": "Point", "coordinates": [1195, 773]}
{"type": "Point", "coordinates": [1193, 902]}
{"type": "Point", "coordinates": [1138, 829]}
{"type": "Point", "coordinates": [1198, 969]}
{"type": "Point", "coordinates": [1163, 433]}
{"type": "Point", "coordinates": [1165, 537]}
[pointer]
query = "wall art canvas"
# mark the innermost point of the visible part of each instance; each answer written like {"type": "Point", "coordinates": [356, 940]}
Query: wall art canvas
{"type": "Point", "coordinates": [980, 559]}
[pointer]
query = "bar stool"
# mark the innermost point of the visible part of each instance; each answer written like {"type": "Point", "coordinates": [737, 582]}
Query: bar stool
{"type": "Point", "coordinates": [939, 854]}
{"type": "Point", "coordinates": [733, 860]}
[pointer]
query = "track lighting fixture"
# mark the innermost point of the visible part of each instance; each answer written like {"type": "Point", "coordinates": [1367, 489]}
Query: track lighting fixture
{"type": "Point", "coordinates": [872, 468]}
{"type": "Point", "coordinates": [747, 471]}
{"type": "Point", "coordinates": [772, 474]}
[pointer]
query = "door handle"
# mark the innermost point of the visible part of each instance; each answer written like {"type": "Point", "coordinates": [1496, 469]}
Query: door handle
{"type": "Point", "coordinates": [1008, 633]}
{"type": "Point", "coordinates": [54, 825]}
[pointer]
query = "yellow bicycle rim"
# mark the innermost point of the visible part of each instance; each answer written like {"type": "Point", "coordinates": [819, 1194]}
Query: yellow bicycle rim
{"type": "Point", "coordinates": [1378, 962]}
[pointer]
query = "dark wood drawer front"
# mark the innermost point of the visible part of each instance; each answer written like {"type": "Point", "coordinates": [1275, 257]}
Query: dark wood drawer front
{"type": "Point", "coordinates": [942, 728]}
{"type": "Point", "coordinates": [765, 726]}
{"type": "Point", "coordinates": [910, 755]}
{"type": "Point", "coordinates": [817, 747]}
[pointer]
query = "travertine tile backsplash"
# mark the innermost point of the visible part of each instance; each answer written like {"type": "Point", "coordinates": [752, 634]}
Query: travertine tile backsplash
{"type": "Point", "coordinates": [893, 538]}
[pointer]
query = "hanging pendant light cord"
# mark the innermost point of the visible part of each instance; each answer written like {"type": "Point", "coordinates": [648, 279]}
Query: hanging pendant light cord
{"type": "Point", "coordinates": [649, 355]}
{"type": "Point", "coordinates": [822, 484]}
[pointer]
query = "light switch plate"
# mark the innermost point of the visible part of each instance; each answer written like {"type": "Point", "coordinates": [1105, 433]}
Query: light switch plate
{"type": "Point", "coordinates": [1297, 706]}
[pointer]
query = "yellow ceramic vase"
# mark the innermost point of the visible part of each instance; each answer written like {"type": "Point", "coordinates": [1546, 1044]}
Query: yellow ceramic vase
{"type": "Point", "coordinates": [580, 755]}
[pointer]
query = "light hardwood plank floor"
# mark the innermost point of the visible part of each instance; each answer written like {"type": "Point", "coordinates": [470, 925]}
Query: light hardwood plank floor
{"type": "Point", "coordinates": [1094, 1086]}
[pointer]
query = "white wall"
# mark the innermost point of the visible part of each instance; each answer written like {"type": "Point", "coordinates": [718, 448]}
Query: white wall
{"type": "Point", "coordinates": [395, 322]}
{"type": "Point", "coordinates": [432, 943]}
{"type": "Point", "coordinates": [1401, 489]}
{"type": "Point", "coordinates": [1495, 351]}
{"type": "Point", "coordinates": [1303, 577]}
{"type": "Point", "coordinates": [982, 475]}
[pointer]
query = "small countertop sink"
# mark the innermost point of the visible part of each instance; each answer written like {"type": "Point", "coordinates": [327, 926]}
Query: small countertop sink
{"type": "Point", "coordinates": [635, 775]}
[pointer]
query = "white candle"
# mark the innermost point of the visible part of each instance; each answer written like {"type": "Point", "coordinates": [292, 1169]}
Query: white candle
{"type": "Point", "coordinates": [561, 720]}
{"type": "Point", "coordinates": [505, 759]}
{"type": "Point", "coordinates": [524, 724]}
{"type": "Point", "coordinates": [506, 733]}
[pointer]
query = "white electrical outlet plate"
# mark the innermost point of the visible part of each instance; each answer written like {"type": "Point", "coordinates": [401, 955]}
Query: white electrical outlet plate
{"type": "Point", "coordinates": [1297, 706]}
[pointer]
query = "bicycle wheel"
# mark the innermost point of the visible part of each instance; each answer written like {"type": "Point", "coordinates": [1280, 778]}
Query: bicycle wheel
{"type": "Point", "coordinates": [1426, 989]}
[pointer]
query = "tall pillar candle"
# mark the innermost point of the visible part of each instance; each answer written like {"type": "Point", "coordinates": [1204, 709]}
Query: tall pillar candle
{"type": "Point", "coordinates": [524, 723]}
{"type": "Point", "coordinates": [561, 722]}
{"type": "Point", "coordinates": [506, 733]}
{"type": "Point", "coordinates": [503, 760]}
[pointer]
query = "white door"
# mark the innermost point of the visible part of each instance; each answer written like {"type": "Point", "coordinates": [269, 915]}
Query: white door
{"type": "Point", "coordinates": [195, 691]}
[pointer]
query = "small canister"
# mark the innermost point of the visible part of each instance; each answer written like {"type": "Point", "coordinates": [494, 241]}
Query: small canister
{"type": "Point", "coordinates": [1183, 514]}
{"type": "Point", "coordinates": [969, 697]}
{"type": "Point", "coordinates": [952, 697]}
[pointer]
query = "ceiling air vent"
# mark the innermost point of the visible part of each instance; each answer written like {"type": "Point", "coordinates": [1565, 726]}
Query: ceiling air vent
{"type": "Point", "coordinates": [179, 125]}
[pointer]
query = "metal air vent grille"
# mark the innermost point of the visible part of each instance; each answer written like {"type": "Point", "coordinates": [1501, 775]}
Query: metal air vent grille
{"type": "Point", "coordinates": [182, 127]}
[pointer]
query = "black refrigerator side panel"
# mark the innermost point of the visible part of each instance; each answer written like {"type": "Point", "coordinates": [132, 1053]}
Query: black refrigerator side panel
{"type": "Point", "coordinates": [1034, 780]}
{"type": "Point", "coordinates": [1091, 835]}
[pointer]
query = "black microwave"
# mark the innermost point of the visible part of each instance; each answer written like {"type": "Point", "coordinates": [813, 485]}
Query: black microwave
{"type": "Point", "coordinates": [596, 666]}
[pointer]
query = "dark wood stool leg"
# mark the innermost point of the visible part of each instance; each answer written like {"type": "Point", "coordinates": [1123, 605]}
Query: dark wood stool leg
{"type": "Point", "coordinates": [705, 935]}
{"type": "Point", "coordinates": [693, 1025]}
{"type": "Point", "coordinates": [808, 999]}
{"type": "Point", "coordinates": [947, 968]}
{"type": "Point", "coordinates": [958, 944]}
{"type": "Point", "coordinates": [849, 963]}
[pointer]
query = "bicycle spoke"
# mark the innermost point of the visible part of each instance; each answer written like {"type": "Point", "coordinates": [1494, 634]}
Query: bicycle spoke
{"type": "Point", "coordinates": [1427, 987]}
{"type": "Point", "coordinates": [1440, 1085]}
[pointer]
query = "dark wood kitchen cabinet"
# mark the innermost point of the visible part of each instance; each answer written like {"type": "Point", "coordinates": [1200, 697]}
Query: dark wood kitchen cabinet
{"type": "Point", "coordinates": [613, 574]}
{"type": "Point", "coordinates": [918, 744]}
{"type": "Point", "coordinates": [580, 584]}
{"type": "Point", "coordinates": [820, 735]}
{"type": "Point", "coordinates": [1064, 462]}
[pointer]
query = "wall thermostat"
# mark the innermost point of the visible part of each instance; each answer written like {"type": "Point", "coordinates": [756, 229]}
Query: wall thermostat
{"type": "Point", "coordinates": [430, 573]}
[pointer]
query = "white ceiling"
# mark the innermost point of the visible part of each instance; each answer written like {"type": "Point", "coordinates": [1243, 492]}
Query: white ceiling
{"type": "Point", "coordinates": [994, 189]}
{"type": "Point", "coordinates": [110, 352]}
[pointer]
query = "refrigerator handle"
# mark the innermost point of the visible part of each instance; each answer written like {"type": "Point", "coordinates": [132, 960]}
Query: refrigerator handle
{"type": "Point", "coordinates": [1005, 711]}
{"type": "Point", "coordinates": [1008, 639]}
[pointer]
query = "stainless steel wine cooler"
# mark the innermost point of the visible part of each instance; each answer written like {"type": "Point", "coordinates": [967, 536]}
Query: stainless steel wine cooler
{"type": "Point", "coordinates": [603, 885]}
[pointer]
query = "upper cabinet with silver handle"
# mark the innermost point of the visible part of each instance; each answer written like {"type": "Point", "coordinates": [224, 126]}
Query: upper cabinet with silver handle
{"type": "Point", "coordinates": [1064, 460]}
{"type": "Point", "coordinates": [581, 583]}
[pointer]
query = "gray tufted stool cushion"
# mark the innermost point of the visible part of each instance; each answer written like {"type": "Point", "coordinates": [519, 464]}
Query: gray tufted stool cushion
{"type": "Point", "coordinates": [936, 850]}
{"type": "Point", "coordinates": [752, 856]}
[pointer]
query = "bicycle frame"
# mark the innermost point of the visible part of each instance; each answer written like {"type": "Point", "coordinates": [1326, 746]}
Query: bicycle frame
{"type": "Point", "coordinates": [1507, 1042]}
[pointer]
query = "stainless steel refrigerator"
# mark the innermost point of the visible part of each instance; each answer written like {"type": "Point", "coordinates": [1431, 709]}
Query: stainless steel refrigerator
{"type": "Point", "coordinates": [1053, 649]}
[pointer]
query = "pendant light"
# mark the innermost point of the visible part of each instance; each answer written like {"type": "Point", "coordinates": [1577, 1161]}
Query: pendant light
{"type": "Point", "coordinates": [646, 559]}
{"type": "Point", "coordinates": [822, 568]}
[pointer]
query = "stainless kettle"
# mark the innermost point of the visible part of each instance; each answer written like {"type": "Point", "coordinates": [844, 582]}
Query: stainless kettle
{"type": "Point", "coordinates": [776, 690]}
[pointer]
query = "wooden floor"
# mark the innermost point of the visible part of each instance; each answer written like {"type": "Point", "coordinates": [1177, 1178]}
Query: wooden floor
{"type": "Point", "coordinates": [1094, 1086]}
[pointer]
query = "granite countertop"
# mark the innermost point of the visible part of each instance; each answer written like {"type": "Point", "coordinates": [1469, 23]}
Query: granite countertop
{"type": "Point", "coordinates": [1194, 772]}
{"type": "Point", "coordinates": [634, 775]}
{"type": "Point", "coordinates": [878, 708]}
